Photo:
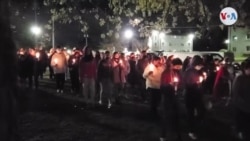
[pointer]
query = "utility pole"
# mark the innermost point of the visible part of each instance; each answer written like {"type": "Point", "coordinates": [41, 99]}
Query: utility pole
{"type": "Point", "coordinates": [86, 38]}
{"type": "Point", "coordinates": [53, 32]}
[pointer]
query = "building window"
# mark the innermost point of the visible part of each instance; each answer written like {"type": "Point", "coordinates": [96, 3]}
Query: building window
{"type": "Point", "coordinates": [234, 49]}
{"type": "Point", "coordinates": [248, 48]}
{"type": "Point", "coordinates": [248, 36]}
{"type": "Point", "coordinates": [235, 37]}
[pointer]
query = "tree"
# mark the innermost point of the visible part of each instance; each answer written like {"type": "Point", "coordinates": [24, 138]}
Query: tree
{"type": "Point", "coordinates": [23, 15]}
{"type": "Point", "coordinates": [170, 16]}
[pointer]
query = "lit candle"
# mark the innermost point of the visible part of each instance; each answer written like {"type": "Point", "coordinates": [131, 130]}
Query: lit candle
{"type": "Point", "coordinates": [74, 60]}
{"type": "Point", "coordinates": [151, 67]}
{"type": "Point", "coordinates": [56, 61]}
{"type": "Point", "coordinates": [200, 79]}
{"type": "Point", "coordinates": [37, 55]}
{"type": "Point", "coordinates": [217, 68]}
{"type": "Point", "coordinates": [120, 62]}
{"type": "Point", "coordinates": [205, 75]}
{"type": "Point", "coordinates": [176, 80]}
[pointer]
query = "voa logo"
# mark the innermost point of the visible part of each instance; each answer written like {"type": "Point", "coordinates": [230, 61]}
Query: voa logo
{"type": "Point", "coordinates": [228, 16]}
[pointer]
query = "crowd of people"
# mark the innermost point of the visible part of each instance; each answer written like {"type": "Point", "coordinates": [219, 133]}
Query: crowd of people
{"type": "Point", "coordinates": [157, 79]}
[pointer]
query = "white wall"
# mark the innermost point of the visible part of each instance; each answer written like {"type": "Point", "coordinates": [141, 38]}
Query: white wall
{"type": "Point", "coordinates": [170, 43]}
{"type": "Point", "coordinates": [239, 40]}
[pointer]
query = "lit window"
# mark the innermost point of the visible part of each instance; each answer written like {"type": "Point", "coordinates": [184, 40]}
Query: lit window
{"type": "Point", "coordinates": [235, 38]}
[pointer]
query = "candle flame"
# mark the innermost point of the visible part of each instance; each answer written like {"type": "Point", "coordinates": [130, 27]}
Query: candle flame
{"type": "Point", "coordinates": [205, 75]}
{"type": "Point", "coordinates": [37, 55]}
{"type": "Point", "coordinates": [74, 60]}
{"type": "Point", "coordinates": [176, 79]}
{"type": "Point", "coordinates": [217, 68]}
{"type": "Point", "coordinates": [200, 79]}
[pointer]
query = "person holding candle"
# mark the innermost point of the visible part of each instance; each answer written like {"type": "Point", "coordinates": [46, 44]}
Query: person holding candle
{"type": "Point", "coordinates": [194, 95]}
{"type": "Point", "coordinates": [73, 64]}
{"type": "Point", "coordinates": [132, 76]}
{"type": "Point", "coordinates": [105, 76]}
{"type": "Point", "coordinates": [170, 80]}
{"type": "Point", "coordinates": [43, 58]}
{"type": "Point", "coordinates": [30, 66]}
{"type": "Point", "coordinates": [140, 67]}
{"type": "Point", "coordinates": [224, 79]}
{"type": "Point", "coordinates": [127, 69]}
{"type": "Point", "coordinates": [59, 64]}
{"type": "Point", "coordinates": [51, 71]}
{"type": "Point", "coordinates": [88, 75]}
{"type": "Point", "coordinates": [119, 69]}
{"type": "Point", "coordinates": [241, 101]}
{"type": "Point", "coordinates": [37, 68]}
{"type": "Point", "coordinates": [209, 74]}
{"type": "Point", "coordinates": [152, 74]}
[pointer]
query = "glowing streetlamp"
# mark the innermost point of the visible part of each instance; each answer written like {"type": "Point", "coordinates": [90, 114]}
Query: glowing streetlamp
{"type": "Point", "coordinates": [191, 36]}
{"type": "Point", "coordinates": [128, 34]}
{"type": "Point", "coordinates": [36, 30]}
{"type": "Point", "coordinates": [227, 41]}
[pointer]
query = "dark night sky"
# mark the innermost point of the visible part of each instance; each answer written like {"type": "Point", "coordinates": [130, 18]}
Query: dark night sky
{"type": "Point", "coordinates": [65, 34]}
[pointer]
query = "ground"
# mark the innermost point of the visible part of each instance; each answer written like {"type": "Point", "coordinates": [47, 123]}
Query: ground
{"type": "Point", "coordinates": [47, 116]}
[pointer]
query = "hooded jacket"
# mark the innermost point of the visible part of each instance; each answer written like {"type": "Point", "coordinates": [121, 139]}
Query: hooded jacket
{"type": "Point", "coordinates": [191, 75]}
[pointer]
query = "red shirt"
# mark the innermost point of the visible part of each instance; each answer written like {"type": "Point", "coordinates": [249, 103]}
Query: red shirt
{"type": "Point", "coordinates": [88, 69]}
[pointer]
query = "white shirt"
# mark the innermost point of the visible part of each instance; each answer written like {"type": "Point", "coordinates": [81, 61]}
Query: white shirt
{"type": "Point", "coordinates": [153, 80]}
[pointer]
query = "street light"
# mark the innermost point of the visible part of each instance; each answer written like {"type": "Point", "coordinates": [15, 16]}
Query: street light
{"type": "Point", "coordinates": [191, 36]}
{"type": "Point", "coordinates": [227, 41]}
{"type": "Point", "coordinates": [128, 34]}
{"type": "Point", "coordinates": [36, 30]}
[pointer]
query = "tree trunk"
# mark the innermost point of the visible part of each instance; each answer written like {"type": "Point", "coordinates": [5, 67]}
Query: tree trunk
{"type": "Point", "coordinates": [8, 77]}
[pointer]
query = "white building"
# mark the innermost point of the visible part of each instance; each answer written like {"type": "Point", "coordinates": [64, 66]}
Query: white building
{"type": "Point", "coordinates": [161, 41]}
{"type": "Point", "coordinates": [239, 40]}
